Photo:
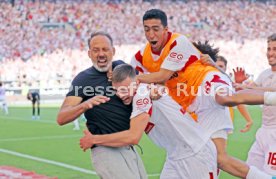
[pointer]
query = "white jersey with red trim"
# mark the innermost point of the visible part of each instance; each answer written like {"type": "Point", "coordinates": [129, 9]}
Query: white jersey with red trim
{"type": "Point", "coordinates": [212, 116]}
{"type": "Point", "coordinates": [262, 154]}
{"type": "Point", "coordinates": [268, 79]}
{"type": "Point", "coordinates": [181, 52]}
{"type": "Point", "coordinates": [170, 127]}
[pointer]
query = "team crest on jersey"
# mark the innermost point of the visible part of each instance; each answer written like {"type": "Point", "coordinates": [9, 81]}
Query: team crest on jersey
{"type": "Point", "coordinates": [216, 79]}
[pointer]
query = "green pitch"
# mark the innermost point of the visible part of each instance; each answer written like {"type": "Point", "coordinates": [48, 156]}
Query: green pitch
{"type": "Point", "coordinates": [46, 148]}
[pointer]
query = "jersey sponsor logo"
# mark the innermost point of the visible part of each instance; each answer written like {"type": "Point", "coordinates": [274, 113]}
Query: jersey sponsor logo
{"type": "Point", "coordinates": [142, 102]}
{"type": "Point", "coordinates": [175, 57]}
{"type": "Point", "coordinates": [149, 127]}
{"type": "Point", "coordinates": [179, 56]}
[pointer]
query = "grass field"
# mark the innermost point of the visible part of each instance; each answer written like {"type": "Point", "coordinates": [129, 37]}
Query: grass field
{"type": "Point", "coordinates": [46, 148]}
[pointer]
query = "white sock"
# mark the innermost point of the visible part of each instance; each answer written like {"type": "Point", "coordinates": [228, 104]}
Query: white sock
{"type": "Point", "coordinates": [270, 98]}
{"type": "Point", "coordinates": [255, 173]}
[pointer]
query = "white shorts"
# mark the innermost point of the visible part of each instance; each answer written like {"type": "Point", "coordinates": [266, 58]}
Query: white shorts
{"type": "Point", "coordinates": [263, 152]}
{"type": "Point", "coordinates": [202, 165]}
{"type": "Point", "coordinates": [220, 134]}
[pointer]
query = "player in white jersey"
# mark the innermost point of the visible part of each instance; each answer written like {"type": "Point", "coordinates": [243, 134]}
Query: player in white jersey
{"type": "Point", "coordinates": [3, 99]}
{"type": "Point", "coordinates": [170, 58]}
{"type": "Point", "coordinates": [263, 152]}
{"type": "Point", "coordinates": [222, 63]}
{"type": "Point", "coordinates": [190, 152]}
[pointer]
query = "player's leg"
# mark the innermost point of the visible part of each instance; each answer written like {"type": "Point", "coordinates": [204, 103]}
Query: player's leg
{"type": "Point", "coordinates": [256, 156]}
{"type": "Point", "coordinates": [5, 107]}
{"type": "Point", "coordinates": [215, 120]}
{"type": "Point", "coordinates": [38, 109]}
{"type": "Point", "coordinates": [33, 109]}
{"type": "Point", "coordinates": [235, 166]}
{"type": "Point", "coordinates": [202, 165]}
{"type": "Point", "coordinates": [263, 152]}
{"type": "Point", "coordinates": [270, 155]}
{"type": "Point", "coordinates": [227, 163]}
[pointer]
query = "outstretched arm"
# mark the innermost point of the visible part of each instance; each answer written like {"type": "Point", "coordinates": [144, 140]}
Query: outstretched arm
{"type": "Point", "coordinates": [250, 97]}
{"type": "Point", "coordinates": [119, 139]}
{"type": "Point", "coordinates": [252, 86]}
{"type": "Point", "coordinates": [72, 107]}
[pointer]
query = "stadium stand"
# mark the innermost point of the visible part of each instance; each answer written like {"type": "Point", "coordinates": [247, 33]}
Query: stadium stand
{"type": "Point", "coordinates": [43, 42]}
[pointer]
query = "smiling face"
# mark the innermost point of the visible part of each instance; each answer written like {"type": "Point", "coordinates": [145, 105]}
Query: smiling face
{"type": "Point", "coordinates": [156, 34]}
{"type": "Point", "coordinates": [126, 89]}
{"type": "Point", "coordinates": [271, 54]}
{"type": "Point", "coordinates": [101, 52]}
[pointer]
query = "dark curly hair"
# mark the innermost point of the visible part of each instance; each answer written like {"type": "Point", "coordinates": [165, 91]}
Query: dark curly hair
{"type": "Point", "coordinates": [207, 48]}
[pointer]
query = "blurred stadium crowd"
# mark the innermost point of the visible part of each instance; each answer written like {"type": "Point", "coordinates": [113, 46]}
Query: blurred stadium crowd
{"type": "Point", "coordinates": [44, 40]}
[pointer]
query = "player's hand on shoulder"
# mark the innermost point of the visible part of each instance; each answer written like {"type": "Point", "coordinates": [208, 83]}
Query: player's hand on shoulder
{"type": "Point", "coordinates": [96, 100]}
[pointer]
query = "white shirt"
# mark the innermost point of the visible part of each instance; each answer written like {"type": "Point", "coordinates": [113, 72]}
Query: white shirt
{"type": "Point", "coordinates": [179, 55]}
{"type": "Point", "coordinates": [268, 79]}
{"type": "Point", "coordinates": [170, 127]}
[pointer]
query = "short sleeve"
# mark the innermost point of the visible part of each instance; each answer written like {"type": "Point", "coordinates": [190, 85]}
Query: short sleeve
{"type": "Point", "coordinates": [181, 53]}
{"type": "Point", "coordinates": [77, 85]}
{"type": "Point", "coordinates": [136, 62]}
{"type": "Point", "coordinates": [141, 102]}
